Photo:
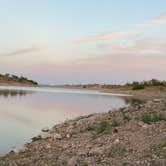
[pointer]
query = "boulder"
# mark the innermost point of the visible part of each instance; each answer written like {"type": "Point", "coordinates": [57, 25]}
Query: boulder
{"type": "Point", "coordinates": [21, 149]}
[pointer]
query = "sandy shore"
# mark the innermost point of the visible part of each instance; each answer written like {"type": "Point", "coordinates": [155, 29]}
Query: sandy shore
{"type": "Point", "coordinates": [145, 94]}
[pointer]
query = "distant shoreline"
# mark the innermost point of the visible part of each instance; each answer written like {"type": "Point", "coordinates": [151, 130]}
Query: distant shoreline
{"type": "Point", "coordinates": [145, 94]}
{"type": "Point", "coordinates": [150, 92]}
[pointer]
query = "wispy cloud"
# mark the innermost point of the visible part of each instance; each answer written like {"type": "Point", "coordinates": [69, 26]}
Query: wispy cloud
{"type": "Point", "coordinates": [103, 36]}
{"type": "Point", "coordinates": [138, 41]}
{"type": "Point", "coordinates": [160, 19]}
{"type": "Point", "coordinates": [21, 51]}
{"type": "Point", "coordinates": [146, 46]}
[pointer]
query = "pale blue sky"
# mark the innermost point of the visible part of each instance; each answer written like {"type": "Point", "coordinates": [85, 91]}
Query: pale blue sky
{"type": "Point", "coordinates": [48, 40]}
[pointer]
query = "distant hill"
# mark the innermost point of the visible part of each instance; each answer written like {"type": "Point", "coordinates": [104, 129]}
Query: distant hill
{"type": "Point", "coordinates": [16, 80]}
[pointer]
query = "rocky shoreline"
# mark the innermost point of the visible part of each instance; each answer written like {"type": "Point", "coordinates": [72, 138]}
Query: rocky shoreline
{"type": "Point", "coordinates": [134, 136]}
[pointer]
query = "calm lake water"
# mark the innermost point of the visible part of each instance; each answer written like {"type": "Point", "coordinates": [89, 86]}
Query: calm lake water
{"type": "Point", "coordinates": [25, 111]}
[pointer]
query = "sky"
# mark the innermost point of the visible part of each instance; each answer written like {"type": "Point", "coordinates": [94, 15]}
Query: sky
{"type": "Point", "coordinates": [83, 41]}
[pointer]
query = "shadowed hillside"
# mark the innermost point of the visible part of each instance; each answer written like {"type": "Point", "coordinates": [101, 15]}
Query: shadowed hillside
{"type": "Point", "coordinates": [16, 80]}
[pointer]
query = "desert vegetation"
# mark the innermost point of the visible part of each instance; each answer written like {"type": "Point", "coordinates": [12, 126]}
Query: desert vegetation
{"type": "Point", "coordinates": [142, 85]}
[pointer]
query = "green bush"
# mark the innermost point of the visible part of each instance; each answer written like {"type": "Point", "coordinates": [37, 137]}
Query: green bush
{"type": "Point", "coordinates": [148, 118]}
{"type": "Point", "coordinates": [158, 117]}
{"type": "Point", "coordinates": [126, 117]}
{"type": "Point", "coordinates": [138, 87]}
{"type": "Point", "coordinates": [102, 127]}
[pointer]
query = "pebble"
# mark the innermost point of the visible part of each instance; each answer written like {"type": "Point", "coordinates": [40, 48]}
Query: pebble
{"type": "Point", "coordinates": [68, 136]}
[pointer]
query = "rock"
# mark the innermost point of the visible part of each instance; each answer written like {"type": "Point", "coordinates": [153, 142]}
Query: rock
{"type": "Point", "coordinates": [36, 138]}
{"type": "Point", "coordinates": [141, 124]}
{"type": "Point", "coordinates": [45, 135]}
{"type": "Point", "coordinates": [149, 104]}
{"type": "Point", "coordinates": [154, 156]}
{"type": "Point", "coordinates": [21, 149]}
{"type": "Point", "coordinates": [68, 136]}
{"type": "Point", "coordinates": [45, 129]}
{"type": "Point", "coordinates": [145, 126]}
{"type": "Point", "coordinates": [115, 130]}
{"type": "Point", "coordinates": [96, 151]}
{"type": "Point", "coordinates": [57, 136]}
{"type": "Point", "coordinates": [157, 100]}
{"type": "Point", "coordinates": [117, 141]}
{"type": "Point", "coordinates": [48, 146]}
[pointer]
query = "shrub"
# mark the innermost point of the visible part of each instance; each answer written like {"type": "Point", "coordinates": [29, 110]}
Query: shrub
{"type": "Point", "coordinates": [102, 127]}
{"type": "Point", "coordinates": [138, 87]}
{"type": "Point", "coordinates": [158, 117]}
{"type": "Point", "coordinates": [126, 117]}
{"type": "Point", "coordinates": [148, 118]}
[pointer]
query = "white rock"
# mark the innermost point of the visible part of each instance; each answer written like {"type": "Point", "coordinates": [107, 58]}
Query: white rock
{"type": "Point", "coordinates": [157, 100]}
{"type": "Point", "coordinates": [57, 136]}
{"type": "Point", "coordinates": [141, 124]}
{"type": "Point", "coordinates": [117, 141]}
{"type": "Point", "coordinates": [45, 135]}
{"type": "Point", "coordinates": [145, 126]}
{"type": "Point", "coordinates": [48, 146]}
{"type": "Point", "coordinates": [21, 149]}
{"type": "Point", "coordinates": [68, 135]}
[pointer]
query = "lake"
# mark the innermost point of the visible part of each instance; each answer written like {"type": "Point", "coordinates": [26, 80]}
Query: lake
{"type": "Point", "coordinates": [24, 111]}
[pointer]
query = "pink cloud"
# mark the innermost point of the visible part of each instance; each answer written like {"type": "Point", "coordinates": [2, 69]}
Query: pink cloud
{"type": "Point", "coordinates": [140, 47]}
{"type": "Point", "coordinates": [104, 36]}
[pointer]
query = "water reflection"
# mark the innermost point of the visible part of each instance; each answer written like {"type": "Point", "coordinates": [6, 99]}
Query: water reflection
{"type": "Point", "coordinates": [24, 112]}
{"type": "Point", "coordinates": [13, 93]}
